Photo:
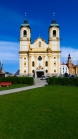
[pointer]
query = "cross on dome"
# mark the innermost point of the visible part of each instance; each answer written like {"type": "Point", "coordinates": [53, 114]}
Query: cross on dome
{"type": "Point", "coordinates": [25, 15]}
{"type": "Point", "coordinates": [53, 15]}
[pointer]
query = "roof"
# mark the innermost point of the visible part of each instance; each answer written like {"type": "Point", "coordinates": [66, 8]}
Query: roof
{"type": "Point", "coordinates": [39, 38]}
{"type": "Point", "coordinates": [69, 56]}
{"type": "Point", "coordinates": [18, 72]}
{"type": "Point", "coordinates": [25, 24]}
{"type": "Point", "coordinates": [63, 63]}
{"type": "Point", "coordinates": [54, 24]}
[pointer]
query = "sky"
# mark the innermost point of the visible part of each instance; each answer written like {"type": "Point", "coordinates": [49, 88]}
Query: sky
{"type": "Point", "coordinates": [39, 16]}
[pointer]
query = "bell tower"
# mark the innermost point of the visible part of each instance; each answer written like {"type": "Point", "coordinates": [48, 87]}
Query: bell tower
{"type": "Point", "coordinates": [25, 36]}
{"type": "Point", "coordinates": [54, 36]}
{"type": "Point", "coordinates": [25, 31]}
{"type": "Point", "coordinates": [25, 42]}
{"type": "Point", "coordinates": [54, 46]}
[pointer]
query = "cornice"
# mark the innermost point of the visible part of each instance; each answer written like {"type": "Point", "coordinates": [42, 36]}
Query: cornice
{"type": "Point", "coordinates": [27, 39]}
{"type": "Point", "coordinates": [56, 51]}
{"type": "Point", "coordinates": [52, 39]}
{"type": "Point", "coordinates": [30, 51]}
{"type": "Point", "coordinates": [23, 52]}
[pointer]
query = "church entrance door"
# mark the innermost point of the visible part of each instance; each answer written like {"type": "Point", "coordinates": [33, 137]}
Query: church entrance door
{"type": "Point", "coordinates": [39, 74]}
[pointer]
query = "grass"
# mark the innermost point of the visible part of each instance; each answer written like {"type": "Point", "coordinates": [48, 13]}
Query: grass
{"type": "Point", "coordinates": [13, 86]}
{"type": "Point", "coordinates": [49, 112]}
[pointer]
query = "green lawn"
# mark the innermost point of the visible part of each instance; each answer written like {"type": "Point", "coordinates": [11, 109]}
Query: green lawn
{"type": "Point", "coordinates": [49, 112]}
{"type": "Point", "coordinates": [13, 86]}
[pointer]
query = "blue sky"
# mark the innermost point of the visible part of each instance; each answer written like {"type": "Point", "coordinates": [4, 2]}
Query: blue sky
{"type": "Point", "coordinates": [39, 16]}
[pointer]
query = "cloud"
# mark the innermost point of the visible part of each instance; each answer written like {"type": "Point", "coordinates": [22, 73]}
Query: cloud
{"type": "Point", "coordinates": [65, 51]}
{"type": "Point", "coordinates": [9, 50]}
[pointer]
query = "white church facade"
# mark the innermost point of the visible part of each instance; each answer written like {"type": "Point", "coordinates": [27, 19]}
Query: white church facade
{"type": "Point", "coordinates": [39, 58]}
{"type": "Point", "coordinates": [64, 68]}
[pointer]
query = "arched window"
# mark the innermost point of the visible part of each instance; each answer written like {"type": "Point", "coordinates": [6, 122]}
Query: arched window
{"type": "Point", "coordinates": [39, 44]}
{"type": "Point", "coordinates": [33, 64]}
{"type": "Point", "coordinates": [24, 33]}
{"type": "Point", "coordinates": [46, 63]}
{"type": "Point", "coordinates": [32, 71]}
{"type": "Point", "coordinates": [54, 33]}
{"type": "Point", "coordinates": [46, 71]}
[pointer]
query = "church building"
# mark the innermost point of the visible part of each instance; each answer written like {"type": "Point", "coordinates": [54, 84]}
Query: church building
{"type": "Point", "coordinates": [39, 58]}
{"type": "Point", "coordinates": [73, 69]}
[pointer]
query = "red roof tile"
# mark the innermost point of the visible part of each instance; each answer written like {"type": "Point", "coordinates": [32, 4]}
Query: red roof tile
{"type": "Point", "coordinates": [63, 63]}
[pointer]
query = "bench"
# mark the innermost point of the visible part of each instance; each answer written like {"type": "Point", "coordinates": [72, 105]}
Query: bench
{"type": "Point", "coordinates": [5, 84]}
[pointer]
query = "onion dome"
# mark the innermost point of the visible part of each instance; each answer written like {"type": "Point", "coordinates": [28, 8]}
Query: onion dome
{"type": "Point", "coordinates": [25, 24]}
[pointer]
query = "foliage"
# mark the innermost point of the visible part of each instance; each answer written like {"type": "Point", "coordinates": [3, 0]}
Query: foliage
{"type": "Point", "coordinates": [18, 80]}
{"type": "Point", "coordinates": [63, 81]}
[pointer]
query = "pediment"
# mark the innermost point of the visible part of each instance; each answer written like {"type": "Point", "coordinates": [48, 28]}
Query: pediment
{"type": "Point", "coordinates": [39, 44]}
{"type": "Point", "coordinates": [39, 39]}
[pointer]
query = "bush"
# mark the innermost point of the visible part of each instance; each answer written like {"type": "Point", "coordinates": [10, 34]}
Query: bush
{"type": "Point", "coordinates": [63, 81]}
{"type": "Point", "coordinates": [18, 80]}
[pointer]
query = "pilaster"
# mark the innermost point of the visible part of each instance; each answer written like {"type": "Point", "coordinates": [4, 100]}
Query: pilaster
{"type": "Point", "coordinates": [30, 64]}
{"type": "Point", "coordinates": [20, 65]}
{"type": "Point", "coordinates": [49, 64]}
{"type": "Point", "coordinates": [27, 65]}
{"type": "Point", "coordinates": [35, 62]}
{"type": "Point", "coordinates": [44, 62]}
{"type": "Point", "coordinates": [58, 64]}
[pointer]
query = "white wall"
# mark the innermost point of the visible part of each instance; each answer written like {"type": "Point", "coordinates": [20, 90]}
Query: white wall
{"type": "Point", "coordinates": [64, 69]}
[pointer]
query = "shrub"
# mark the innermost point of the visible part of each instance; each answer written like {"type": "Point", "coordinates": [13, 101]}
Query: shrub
{"type": "Point", "coordinates": [63, 81]}
{"type": "Point", "coordinates": [18, 80]}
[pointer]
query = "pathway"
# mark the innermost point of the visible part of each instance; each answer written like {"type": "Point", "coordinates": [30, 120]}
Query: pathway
{"type": "Point", "coordinates": [38, 83]}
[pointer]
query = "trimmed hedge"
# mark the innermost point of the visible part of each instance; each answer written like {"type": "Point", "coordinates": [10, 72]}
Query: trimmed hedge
{"type": "Point", "coordinates": [18, 80]}
{"type": "Point", "coordinates": [63, 81]}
